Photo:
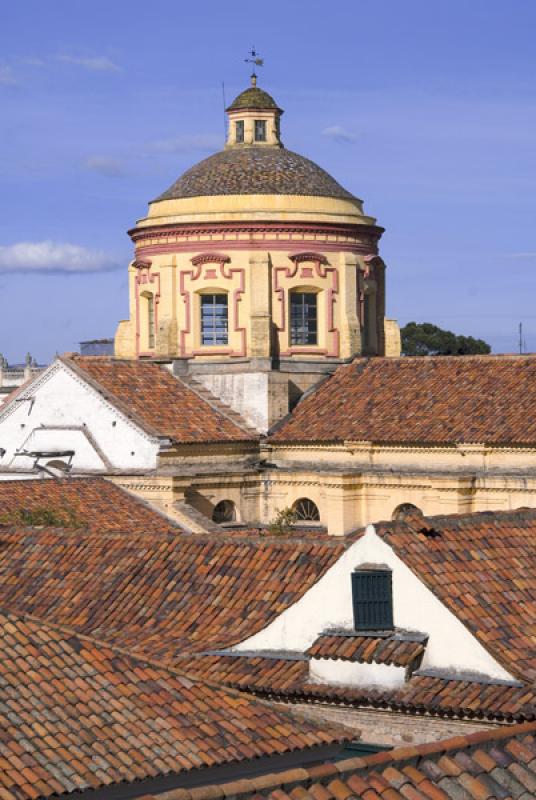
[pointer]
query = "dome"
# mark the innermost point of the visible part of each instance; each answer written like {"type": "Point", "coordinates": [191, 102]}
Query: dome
{"type": "Point", "coordinates": [253, 97]}
{"type": "Point", "coordinates": [255, 170]}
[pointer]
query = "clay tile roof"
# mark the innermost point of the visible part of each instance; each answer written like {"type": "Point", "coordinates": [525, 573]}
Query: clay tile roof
{"type": "Point", "coordinates": [76, 715]}
{"type": "Point", "coordinates": [483, 568]}
{"type": "Point", "coordinates": [255, 170]}
{"type": "Point", "coordinates": [158, 594]}
{"type": "Point", "coordinates": [488, 765]}
{"type": "Point", "coordinates": [94, 504]}
{"type": "Point", "coordinates": [288, 679]}
{"type": "Point", "coordinates": [443, 399]}
{"type": "Point", "coordinates": [160, 403]}
{"type": "Point", "coordinates": [253, 97]}
{"type": "Point", "coordinates": [393, 649]}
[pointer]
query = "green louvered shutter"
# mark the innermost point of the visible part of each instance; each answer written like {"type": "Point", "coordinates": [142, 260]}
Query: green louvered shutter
{"type": "Point", "coordinates": [372, 595]}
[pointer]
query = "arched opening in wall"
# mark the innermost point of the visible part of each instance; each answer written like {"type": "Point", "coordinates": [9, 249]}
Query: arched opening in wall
{"type": "Point", "coordinates": [306, 510]}
{"type": "Point", "coordinates": [404, 510]}
{"type": "Point", "coordinates": [224, 512]}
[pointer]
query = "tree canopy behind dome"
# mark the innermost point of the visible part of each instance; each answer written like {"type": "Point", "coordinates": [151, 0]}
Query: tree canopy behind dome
{"type": "Point", "coordinates": [255, 170]}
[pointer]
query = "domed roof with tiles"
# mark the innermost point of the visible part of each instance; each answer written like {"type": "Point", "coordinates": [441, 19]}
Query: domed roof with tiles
{"type": "Point", "coordinates": [255, 170]}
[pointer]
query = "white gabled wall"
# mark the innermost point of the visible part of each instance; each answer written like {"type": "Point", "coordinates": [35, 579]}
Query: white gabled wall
{"type": "Point", "coordinates": [328, 604]}
{"type": "Point", "coordinates": [353, 673]}
{"type": "Point", "coordinates": [50, 409]}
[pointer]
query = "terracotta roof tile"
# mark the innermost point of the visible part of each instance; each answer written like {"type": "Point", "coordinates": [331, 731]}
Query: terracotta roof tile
{"type": "Point", "coordinates": [111, 718]}
{"type": "Point", "coordinates": [91, 503]}
{"type": "Point", "coordinates": [255, 170]}
{"type": "Point", "coordinates": [289, 679]}
{"type": "Point", "coordinates": [442, 400]}
{"type": "Point", "coordinates": [393, 649]}
{"type": "Point", "coordinates": [395, 778]}
{"type": "Point", "coordinates": [162, 594]}
{"type": "Point", "coordinates": [483, 568]}
{"type": "Point", "coordinates": [160, 403]}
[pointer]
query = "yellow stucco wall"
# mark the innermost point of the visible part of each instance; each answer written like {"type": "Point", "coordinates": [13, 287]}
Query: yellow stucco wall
{"type": "Point", "coordinates": [352, 484]}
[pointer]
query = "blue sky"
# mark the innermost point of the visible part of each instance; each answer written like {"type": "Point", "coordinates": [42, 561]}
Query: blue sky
{"type": "Point", "coordinates": [424, 108]}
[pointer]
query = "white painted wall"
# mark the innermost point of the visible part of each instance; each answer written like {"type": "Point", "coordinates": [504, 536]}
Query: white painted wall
{"type": "Point", "coordinates": [247, 393]}
{"type": "Point", "coordinates": [328, 604]}
{"type": "Point", "coordinates": [60, 401]}
{"type": "Point", "coordinates": [352, 673]}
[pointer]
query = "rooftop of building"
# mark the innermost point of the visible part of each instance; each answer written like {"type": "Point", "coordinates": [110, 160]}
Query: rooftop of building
{"type": "Point", "coordinates": [422, 399]}
{"type": "Point", "coordinates": [487, 765]}
{"type": "Point", "coordinates": [255, 98]}
{"type": "Point", "coordinates": [76, 715]}
{"type": "Point", "coordinates": [252, 170]}
{"type": "Point", "coordinates": [91, 504]}
{"type": "Point", "coordinates": [185, 600]}
{"type": "Point", "coordinates": [161, 404]}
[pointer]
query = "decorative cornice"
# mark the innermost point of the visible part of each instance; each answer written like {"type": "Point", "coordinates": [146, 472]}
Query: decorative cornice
{"type": "Point", "coordinates": [210, 258]}
{"type": "Point", "coordinates": [299, 257]}
{"type": "Point", "coordinates": [142, 263]}
{"type": "Point", "coordinates": [155, 239]}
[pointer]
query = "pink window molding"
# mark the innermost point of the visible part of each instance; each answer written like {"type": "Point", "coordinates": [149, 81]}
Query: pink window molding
{"type": "Point", "coordinates": [145, 277]}
{"type": "Point", "coordinates": [320, 265]}
{"type": "Point", "coordinates": [197, 273]}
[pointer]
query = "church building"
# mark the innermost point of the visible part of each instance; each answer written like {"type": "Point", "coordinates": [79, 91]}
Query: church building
{"type": "Point", "coordinates": [258, 373]}
{"type": "Point", "coordinates": [256, 272]}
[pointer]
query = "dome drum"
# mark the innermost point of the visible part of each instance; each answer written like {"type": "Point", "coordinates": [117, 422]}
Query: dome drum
{"type": "Point", "coordinates": [255, 259]}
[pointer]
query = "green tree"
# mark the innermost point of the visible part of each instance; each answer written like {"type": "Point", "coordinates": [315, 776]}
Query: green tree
{"type": "Point", "coordinates": [425, 339]}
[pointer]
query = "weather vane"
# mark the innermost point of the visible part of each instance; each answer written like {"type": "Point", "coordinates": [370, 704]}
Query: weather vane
{"type": "Point", "coordinates": [256, 61]}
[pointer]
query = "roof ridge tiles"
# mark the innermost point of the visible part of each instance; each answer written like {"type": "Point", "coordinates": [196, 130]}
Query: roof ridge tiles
{"type": "Point", "coordinates": [327, 774]}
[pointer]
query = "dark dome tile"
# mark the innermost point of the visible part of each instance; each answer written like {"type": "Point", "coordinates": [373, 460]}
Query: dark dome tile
{"type": "Point", "coordinates": [255, 170]}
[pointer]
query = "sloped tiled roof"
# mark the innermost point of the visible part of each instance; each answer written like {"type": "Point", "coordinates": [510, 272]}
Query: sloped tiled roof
{"type": "Point", "coordinates": [392, 649]}
{"type": "Point", "coordinates": [93, 503]}
{"type": "Point", "coordinates": [483, 568]}
{"type": "Point", "coordinates": [77, 715]}
{"type": "Point", "coordinates": [441, 400]}
{"type": "Point", "coordinates": [286, 678]}
{"type": "Point", "coordinates": [498, 764]}
{"type": "Point", "coordinates": [160, 403]}
{"type": "Point", "coordinates": [255, 170]}
{"type": "Point", "coordinates": [157, 594]}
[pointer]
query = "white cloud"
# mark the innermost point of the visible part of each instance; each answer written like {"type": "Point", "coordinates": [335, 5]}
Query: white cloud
{"type": "Point", "coordinates": [339, 133]}
{"type": "Point", "coordinates": [109, 167]}
{"type": "Point", "coordinates": [184, 144]}
{"type": "Point", "coordinates": [94, 64]}
{"type": "Point", "coordinates": [51, 256]}
{"type": "Point", "coordinates": [7, 76]}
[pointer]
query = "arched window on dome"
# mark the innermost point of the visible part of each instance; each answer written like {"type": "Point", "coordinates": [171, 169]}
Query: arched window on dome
{"type": "Point", "coordinates": [303, 317]}
{"type": "Point", "coordinates": [214, 319]}
{"type": "Point", "coordinates": [306, 510]}
{"type": "Point", "coordinates": [404, 510]}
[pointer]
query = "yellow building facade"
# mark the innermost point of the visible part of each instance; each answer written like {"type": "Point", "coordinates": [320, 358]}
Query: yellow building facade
{"type": "Point", "coordinates": [255, 275]}
{"type": "Point", "coordinates": [256, 263]}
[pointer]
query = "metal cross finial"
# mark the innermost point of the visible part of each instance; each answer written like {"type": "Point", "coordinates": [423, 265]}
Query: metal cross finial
{"type": "Point", "coordinates": [256, 61]}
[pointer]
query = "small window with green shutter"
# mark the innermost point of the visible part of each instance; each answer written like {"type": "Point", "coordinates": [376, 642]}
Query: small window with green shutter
{"type": "Point", "coordinates": [372, 597]}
